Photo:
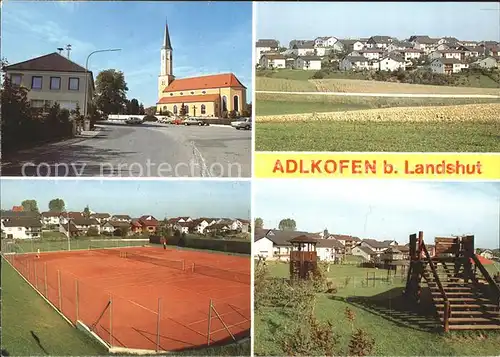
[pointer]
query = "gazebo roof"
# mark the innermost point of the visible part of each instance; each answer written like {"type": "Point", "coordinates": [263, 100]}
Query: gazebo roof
{"type": "Point", "coordinates": [304, 239]}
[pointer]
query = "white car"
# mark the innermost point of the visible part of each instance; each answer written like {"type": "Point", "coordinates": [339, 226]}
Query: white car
{"type": "Point", "coordinates": [133, 121]}
{"type": "Point", "coordinates": [242, 123]}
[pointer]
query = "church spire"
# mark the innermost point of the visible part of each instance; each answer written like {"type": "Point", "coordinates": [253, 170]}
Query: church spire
{"type": "Point", "coordinates": [166, 39]}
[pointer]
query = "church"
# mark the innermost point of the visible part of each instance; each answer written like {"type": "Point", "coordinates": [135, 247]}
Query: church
{"type": "Point", "coordinates": [207, 96]}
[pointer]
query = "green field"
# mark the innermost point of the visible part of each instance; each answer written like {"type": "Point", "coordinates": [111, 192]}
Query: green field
{"type": "Point", "coordinates": [31, 327]}
{"type": "Point", "coordinates": [379, 310]}
{"type": "Point", "coordinates": [377, 136]}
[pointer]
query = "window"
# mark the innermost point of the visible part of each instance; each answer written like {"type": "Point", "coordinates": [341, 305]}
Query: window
{"type": "Point", "coordinates": [203, 109]}
{"type": "Point", "coordinates": [16, 79]}
{"type": "Point", "coordinates": [224, 104]}
{"type": "Point", "coordinates": [192, 92]}
{"type": "Point", "coordinates": [203, 92]}
{"type": "Point", "coordinates": [187, 109]}
{"type": "Point", "coordinates": [182, 93]}
{"type": "Point", "coordinates": [36, 82]}
{"type": "Point", "coordinates": [74, 83]}
{"type": "Point", "coordinates": [55, 83]}
{"type": "Point", "coordinates": [175, 109]}
{"type": "Point", "coordinates": [236, 103]}
{"type": "Point", "coordinates": [171, 94]}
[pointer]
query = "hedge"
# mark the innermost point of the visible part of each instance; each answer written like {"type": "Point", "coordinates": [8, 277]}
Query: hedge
{"type": "Point", "coordinates": [229, 246]}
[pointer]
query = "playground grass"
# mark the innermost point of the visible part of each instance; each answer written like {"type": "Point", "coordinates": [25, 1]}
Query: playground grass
{"type": "Point", "coordinates": [389, 326]}
{"type": "Point", "coordinates": [31, 327]}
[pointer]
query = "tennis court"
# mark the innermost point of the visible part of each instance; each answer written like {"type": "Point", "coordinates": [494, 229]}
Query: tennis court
{"type": "Point", "coordinates": [145, 297]}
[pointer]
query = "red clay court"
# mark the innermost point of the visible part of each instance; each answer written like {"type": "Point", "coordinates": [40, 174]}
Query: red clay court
{"type": "Point", "coordinates": [146, 298]}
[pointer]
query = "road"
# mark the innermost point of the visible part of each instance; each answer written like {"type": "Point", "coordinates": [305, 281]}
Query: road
{"type": "Point", "coordinates": [394, 95]}
{"type": "Point", "coordinates": [147, 150]}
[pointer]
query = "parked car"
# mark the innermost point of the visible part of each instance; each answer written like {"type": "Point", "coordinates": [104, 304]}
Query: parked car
{"type": "Point", "coordinates": [177, 121]}
{"type": "Point", "coordinates": [194, 121]}
{"type": "Point", "coordinates": [242, 123]}
{"type": "Point", "coordinates": [133, 121]}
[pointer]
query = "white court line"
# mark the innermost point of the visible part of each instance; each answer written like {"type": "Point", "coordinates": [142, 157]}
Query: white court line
{"type": "Point", "coordinates": [395, 95]}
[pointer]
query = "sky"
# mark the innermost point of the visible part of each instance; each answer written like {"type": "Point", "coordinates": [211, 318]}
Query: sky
{"type": "Point", "coordinates": [308, 20]}
{"type": "Point", "coordinates": [160, 198]}
{"type": "Point", "coordinates": [207, 37]}
{"type": "Point", "coordinates": [383, 209]}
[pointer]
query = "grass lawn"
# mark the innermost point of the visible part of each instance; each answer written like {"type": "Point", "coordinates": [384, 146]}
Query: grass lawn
{"type": "Point", "coordinates": [380, 311]}
{"type": "Point", "coordinates": [30, 327]}
{"type": "Point", "coordinates": [378, 136]}
{"type": "Point", "coordinates": [273, 107]}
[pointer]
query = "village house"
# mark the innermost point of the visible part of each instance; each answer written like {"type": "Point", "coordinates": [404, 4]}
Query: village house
{"type": "Point", "coordinates": [303, 48]}
{"type": "Point", "coordinates": [101, 217]}
{"type": "Point", "coordinates": [326, 41]}
{"type": "Point", "coordinates": [468, 43]}
{"type": "Point", "coordinates": [446, 54]}
{"type": "Point", "coordinates": [262, 245]}
{"type": "Point", "coordinates": [379, 42]}
{"type": "Point", "coordinates": [424, 43]}
{"type": "Point", "coordinates": [149, 224]}
{"type": "Point", "coordinates": [281, 246]}
{"type": "Point", "coordinates": [411, 53]}
{"type": "Point", "coordinates": [265, 45]}
{"type": "Point", "coordinates": [84, 224]}
{"type": "Point", "coordinates": [308, 63]}
{"type": "Point", "coordinates": [183, 227]}
{"type": "Point", "coordinates": [452, 41]}
{"type": "Point", "coordinates": [351, 45]}
{"type": "Point", "coordinates": [52, 79]}
{"type": "Point", "coordinates": [371, 54]}
{"type": "Point", "coordinates": [377, 246]}
{"type": "Point", "coordinates": [486, 253]}
{"type": "Point", "coordinates": [391, 254]}
{"type": "Point", "coordinates": [347, 241]}
{"type": "Point", "coordinates": [136, 227]}
{"type": "Point", "coordinates": [272, 61]}
{"type": "Point", "coordinates": [354, 63]}
{"type": "Point", "coordinates": [22, 228]}
{"type": "Point", "coordinates": [364, 252]}
{"type": "Point", "coordinates": [15, 214]}
{"type": "Point", "coordinates": [50, 219]}
{"type": "Point", "coordinates": [329, 250]}
{"type": "Point", "coordinates": [447, 65]}
{"type": "Point", "coordinates": [64, 217]}
{"type": "Point", "coordinates": [486, 63]}
{"type": "Point", "coordinates": [468, 52]}
{"type": "Point", "coordinates": [121, 218]}
{"type": "Point", "coordinates": [116, 227]}
{"type": "Point", "coordinates": [493, 51]}
{"type": "Point", "coordinates": [399, 46]}
{"type": "Point", "coordinates": [391, 62]}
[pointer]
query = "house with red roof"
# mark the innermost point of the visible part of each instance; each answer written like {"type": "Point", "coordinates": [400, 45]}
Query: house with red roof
{"type": "Point", "coordinates": [149, 224]}
{"type": "Point", "coordinates": [211, 96]}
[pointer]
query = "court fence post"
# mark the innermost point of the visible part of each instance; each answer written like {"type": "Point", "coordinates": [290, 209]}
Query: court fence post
{"type": "Point", "coordinates": [209, 322]}
{"type": "Point", "coordinates": [59, 289]}
{"type": "Point", "coordinates": [76, 298]}
{"type": "Point", "coordinates": [45, 281]}
{"type": "Point", "coordinates": [158, 319]}
{"type": "Point", "coordinates": [110, 320]}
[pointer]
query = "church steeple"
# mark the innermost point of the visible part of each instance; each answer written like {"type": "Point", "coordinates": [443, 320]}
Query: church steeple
{"type": "Point", "coordinates": [166, 38]}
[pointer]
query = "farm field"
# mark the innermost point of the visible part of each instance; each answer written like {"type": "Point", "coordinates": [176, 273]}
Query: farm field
{"type": "Point", "coordinates": [363, 86]}
{"type": "Point", "coordinates": [378, 309]}
{"type": "Point", "coordinates": [464, 79]}
{"type": "Point", "coordinates": [461, 128]}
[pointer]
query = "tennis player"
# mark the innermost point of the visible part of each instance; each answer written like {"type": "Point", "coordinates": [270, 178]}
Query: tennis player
{"type": "Point", "coordinates": [38, 253]}
{"type": "Point", "coordinates": [164, 243]}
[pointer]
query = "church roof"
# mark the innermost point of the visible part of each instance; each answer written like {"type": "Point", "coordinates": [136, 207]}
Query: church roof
{"type": "Point", "coordinates": [205, 82]}
{"type": "Point", "coordinates": [189, 99]}
{"type": "Point", "coordinates": [166, 39]}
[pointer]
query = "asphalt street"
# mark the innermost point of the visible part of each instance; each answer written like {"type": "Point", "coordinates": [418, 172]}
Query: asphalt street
{"type": "Point", "coordinates": [140, 151]}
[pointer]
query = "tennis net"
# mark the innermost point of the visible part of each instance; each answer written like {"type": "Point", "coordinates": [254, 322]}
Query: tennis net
{"type": "Point", "coordinates": [221, 273]}
{"type": "Point", "coordinates": [174, 264]}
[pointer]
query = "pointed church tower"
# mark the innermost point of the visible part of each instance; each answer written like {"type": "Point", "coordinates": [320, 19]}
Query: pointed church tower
{"type": "Point", "coordinates": [166, 70]}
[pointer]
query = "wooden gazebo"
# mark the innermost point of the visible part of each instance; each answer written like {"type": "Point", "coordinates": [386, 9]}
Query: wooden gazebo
{"type": "Point", "coordinates": [303, 257]}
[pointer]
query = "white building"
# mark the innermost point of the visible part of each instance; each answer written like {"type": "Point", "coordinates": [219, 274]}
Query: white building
{"type": "Point", "coordinates": [379, 42]}
{"type": "Point", "coordinates": [446, 54]}
{"type": "Point", "coordinates": [326, 41]}
{"type": "Point", "coordinates": [328, 249]}
{"type": "Point", "coordinates": [308, 63]}
{"type": "Point", "coordinates": [263, 247]}
{"type": "Point", "coordinates": [265, 45]}
{"type": "Point", "coordinates": [121, 218]}
{"type": "Point", "coordinates": [272, 61]}
{"type": "Point", "coordinates": [351, 45]}
{"type": "Point", "coordinates": [371, 54]}
{"type": "Point", "coordinates": [183, 227]}
{"type": "Point", "coordinates": [50, 218]}
{"type": "Point", "coordinates": [411, 53]}
{"type": "Point", "coordinates": [486, 63]}
{"type": "Point", "coordinates": [354, 63]}
{"type": "Point", "coordinates": [22, 228]}
{"type": "Point", "coordinates": [305, 48]}
{"type": "Point", "coordinates": [365, 252]}
{"type": "Point", "coordinates": [391, 63]}
{"type": "Point", "coordinates": [447, 66]}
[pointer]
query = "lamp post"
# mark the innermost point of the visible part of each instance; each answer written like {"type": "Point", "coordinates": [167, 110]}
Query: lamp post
{"type": "Point", "coordinates": [87, 76]}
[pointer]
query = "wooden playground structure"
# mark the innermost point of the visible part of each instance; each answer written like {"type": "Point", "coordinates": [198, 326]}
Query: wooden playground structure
{"type": "Point", "coordinates": [463, 292]}
{"type": "Point", "coordinates": [303, 257]}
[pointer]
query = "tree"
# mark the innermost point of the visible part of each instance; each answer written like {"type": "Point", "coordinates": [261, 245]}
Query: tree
{"type": "Point", "coordinates": [142, 111]}
{"type": "Point", "coordinates": [30, 205]}
{"type": "Point", "coordinates": [259, 223]}
{"type": "Point", "coordinates": [57, 205]}
{"type": "Point", "coordinates": [86, 212]}
{"type": "Point", "coordinates": [111, 91]}
{"type": "Point", "coordinates": [92, 232]}
{"type": "Point", "coordinates": [183, 110]}
{"type": "Point", "coordinates": [133, 107]}
{"type": "Point", "coordinates": [287, 224]}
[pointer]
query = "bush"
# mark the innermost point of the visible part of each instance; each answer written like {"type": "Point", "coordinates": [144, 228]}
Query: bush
{"type": "Point", "coordinates": [92, 232]}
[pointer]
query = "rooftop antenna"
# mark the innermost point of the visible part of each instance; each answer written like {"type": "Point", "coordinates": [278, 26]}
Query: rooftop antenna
{"type": "Point", "coordinates": [68, 50]}
{"type": "Point", "coordinates": [60, 49]}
